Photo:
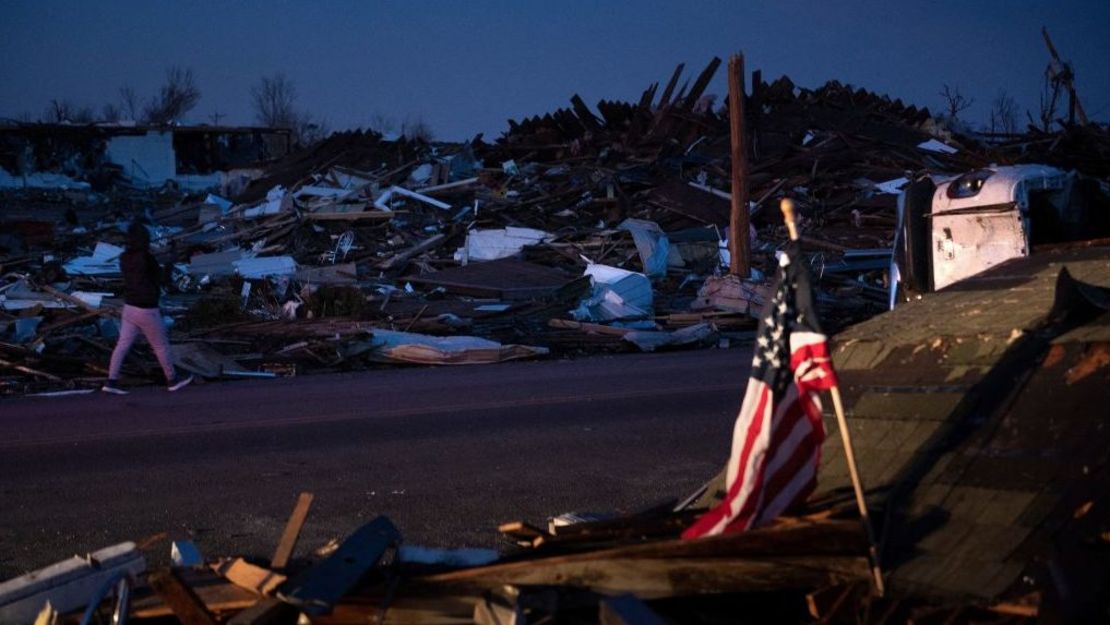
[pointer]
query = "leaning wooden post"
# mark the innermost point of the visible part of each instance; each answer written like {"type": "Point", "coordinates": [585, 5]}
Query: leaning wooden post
{"type": "Point", "coordinates": [787, 207]}
{"type": "Point", "coordinates": [739, 261]}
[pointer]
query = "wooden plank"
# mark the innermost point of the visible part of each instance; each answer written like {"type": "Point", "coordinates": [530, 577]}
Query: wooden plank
{"type": "Point", "coordinates": [592, 328]}
{"type": "Point", "coordinates": [802, 540]}
{"type": "Point", "coordinates": [292, 532]}
{"type": "Point", "coordinates": [665, 99]}
{"type": "Point", "coordinates": [250, 576]}
{"type": "Point", "coordinates": [78, 318]}
{"type": "Point", "coordinates": [1012, 608]}
{"type": "Point", "coordinates": [376, 215]}
{"type": "Point", "coordinates": [317, 590]}
{"type": "Point", "coordinates": [701, 83]}
{"type": "Point", "coordinates": [28, 370]}
{"type": "Point", "coordinates": [654, 578]}
{"type": "Point", "coordinates": [521, 533]}
{"type": "Point", "coordinates": [798, 537]}
{"type": "Point", "coordinates": [76, 301]}
{"type": "Point", "coordinates": [218, 594]}
{"type": "Point", "coordinates": [185, 604]}
{"type": "Point", "coordinates": [403, 257]}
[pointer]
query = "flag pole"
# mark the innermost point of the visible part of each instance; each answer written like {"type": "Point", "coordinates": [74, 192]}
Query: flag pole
{"type": "Point", "coordinates": [787, 206]}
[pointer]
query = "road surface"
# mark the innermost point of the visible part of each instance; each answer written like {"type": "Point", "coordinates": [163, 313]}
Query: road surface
{"type": "Point", "coordinates": [446, 453]}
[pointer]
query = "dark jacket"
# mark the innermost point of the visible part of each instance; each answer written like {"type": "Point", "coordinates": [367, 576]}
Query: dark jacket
{"type": "Point", "coordinates": [141, 278]}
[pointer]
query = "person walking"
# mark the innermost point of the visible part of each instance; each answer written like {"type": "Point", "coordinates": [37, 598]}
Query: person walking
{"type": "Point", "coordinates": [141, 292]}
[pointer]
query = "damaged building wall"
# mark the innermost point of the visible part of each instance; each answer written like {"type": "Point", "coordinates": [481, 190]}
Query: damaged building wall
{"type": "Point", "coordinates": [147, 159]}
{"type": "Point", "coordinates": [195, 158]}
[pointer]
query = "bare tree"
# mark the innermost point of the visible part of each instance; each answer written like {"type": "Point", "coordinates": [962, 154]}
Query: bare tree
{"type": "Point", "coordinates": [274, 99]}
{"type": "Point", "coordinates": [310, 130]}
{"type": "Point", "coordinates": [84, 115]}
{"type": "Point", "coordinates": [381, 123]}
{"type": "Point", "coordinates": [61, 111]}
{"type": "Point", "coordinates": [110, 113]}
{"type": "Point", "coordinates": [129, 102]}
{"type": "Point", "coordinates": [1004, 114]}
{"type": "Point", "coordinates": [57, 112]}
{"type": "Point", "coordinates": [177, 97]}
{"type": "Point", "coordinates": [955, 101]}
{"type": "Point", "coordinates": [417, 129]}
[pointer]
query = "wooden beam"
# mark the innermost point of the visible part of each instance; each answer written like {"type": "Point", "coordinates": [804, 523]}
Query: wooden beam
{"type": "Point", "coordinates": [665, 99]}
{"type": "Point", "coordinates": [403, 257]}
{"type": "Point", "coordinates": [701, 83]}
{"type": "Point", "coordinates": [185, 604]}
{"type": "Point", "coordinates": [593, 328]}
{"type": "Point", "coordinates": [351, 216]}
{"type": "Point", "coordinates": [654, 578]}
{"type": "Point", "coordinates": [292, 532]}
{"type": "Point", "coordinates": [521, 533]}
{"type": "Point", "coordinates": [803, 554]}
{"type": "Point", "coordinates": [246, 575]}
{"type": "Point", "coordinates": [218, 595]}
{"type": "Point", "coordinates": [28, 370]}
{"type": "Point", "coordinates": [76, 301]}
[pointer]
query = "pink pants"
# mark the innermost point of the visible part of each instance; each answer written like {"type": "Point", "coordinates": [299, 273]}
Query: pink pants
{"type": "Point", "coordinates": [149, 322]}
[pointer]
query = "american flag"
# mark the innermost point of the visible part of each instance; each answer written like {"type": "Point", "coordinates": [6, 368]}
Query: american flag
{"type": "Point", "coordinates": [776, 442]}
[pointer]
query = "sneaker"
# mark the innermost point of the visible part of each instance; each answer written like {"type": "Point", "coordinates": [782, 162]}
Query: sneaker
{"type": "Point", "coordinates": [179, 383]}
{"type": "Point", "coordinates": [111, 386]}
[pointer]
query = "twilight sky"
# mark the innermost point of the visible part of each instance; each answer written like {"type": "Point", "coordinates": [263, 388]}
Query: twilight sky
{"type": "Point", "coordinates": [465, 67]}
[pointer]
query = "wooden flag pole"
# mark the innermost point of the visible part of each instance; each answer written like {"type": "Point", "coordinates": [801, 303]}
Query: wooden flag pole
{"type": "Point", "coordinates": [787, 206]}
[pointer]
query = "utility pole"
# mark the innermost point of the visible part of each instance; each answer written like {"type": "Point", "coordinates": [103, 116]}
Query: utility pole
{"type": "Point", "coordinates": [216, 116]}
{"type": "Point", "coordinates": [738, 244]}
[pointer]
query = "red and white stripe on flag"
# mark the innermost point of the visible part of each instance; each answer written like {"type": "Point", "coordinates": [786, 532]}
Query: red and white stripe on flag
{"type": "Point", "coordinates": [776, 445]}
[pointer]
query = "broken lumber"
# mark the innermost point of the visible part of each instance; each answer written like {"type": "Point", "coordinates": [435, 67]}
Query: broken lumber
{"type": "Point", "coordinates": [292, 531]}
{"type": "Point", "coordinates": [181, 599]}
{"type": "Point", "coordinates": [403, 257]}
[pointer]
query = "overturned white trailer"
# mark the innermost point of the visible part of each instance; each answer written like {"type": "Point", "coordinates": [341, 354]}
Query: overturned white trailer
{"type": "Point", "coordinates": [950, 228]}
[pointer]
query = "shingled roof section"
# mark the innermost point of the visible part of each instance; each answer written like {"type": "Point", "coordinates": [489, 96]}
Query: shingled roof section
{"type": "Point", "coordinates": [979, 419]}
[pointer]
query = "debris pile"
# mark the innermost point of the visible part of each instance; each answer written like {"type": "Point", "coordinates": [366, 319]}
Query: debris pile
{"type": "Point", "coordinates": [573, 232]}
{"type": "Point", "coordinates": [976, 412]}
{"type": "Point", "coordinates": [577, 570]}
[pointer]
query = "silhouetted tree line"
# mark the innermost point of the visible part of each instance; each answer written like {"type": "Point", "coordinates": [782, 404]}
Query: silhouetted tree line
{"type": "Point", "coordinates": [273, 100]}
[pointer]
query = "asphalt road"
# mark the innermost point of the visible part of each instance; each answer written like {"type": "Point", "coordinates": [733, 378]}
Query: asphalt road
{"type": "Point", "coordinates": [446, 453]}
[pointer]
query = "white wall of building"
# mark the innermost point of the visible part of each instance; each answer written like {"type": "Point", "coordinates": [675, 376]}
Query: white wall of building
{"type": "Point", "coordinates": [146, 159]}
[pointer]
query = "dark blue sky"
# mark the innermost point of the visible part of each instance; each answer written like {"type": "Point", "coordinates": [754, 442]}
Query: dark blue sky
{"type": "Point", "coordinates": [466, 67]}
